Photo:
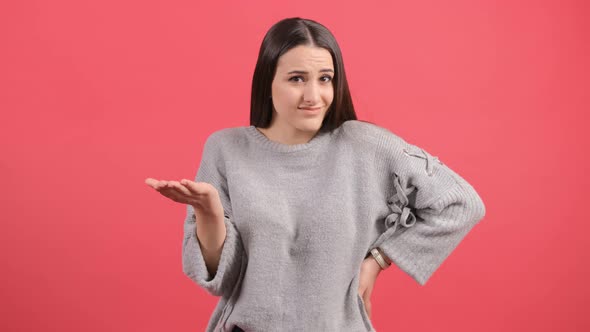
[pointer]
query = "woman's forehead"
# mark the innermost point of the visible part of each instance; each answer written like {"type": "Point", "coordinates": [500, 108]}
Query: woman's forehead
{"type": "Point", "coordinates": [306, 58]}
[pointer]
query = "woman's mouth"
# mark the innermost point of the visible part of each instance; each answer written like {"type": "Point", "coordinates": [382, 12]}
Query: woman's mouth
{"type": "Point", "coordinates": [311, 110]}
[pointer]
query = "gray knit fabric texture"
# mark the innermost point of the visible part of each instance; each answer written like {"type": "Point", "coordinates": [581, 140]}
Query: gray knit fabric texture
{"type": "Point", "coordinates": [301, 218]}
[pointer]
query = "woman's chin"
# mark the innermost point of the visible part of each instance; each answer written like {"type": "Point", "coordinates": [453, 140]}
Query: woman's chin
{"type": "Point", "coordinates": [310, 127]}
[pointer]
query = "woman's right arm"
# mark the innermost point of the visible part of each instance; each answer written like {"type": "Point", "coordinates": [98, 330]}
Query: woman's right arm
{"type": "Point", "coordinates": [211, 233]}
{"type": "Point", "coordinates": [216, 268]}
{"type": "Point", "coordinates": [212, 250]}
{"type": "Point", "coordinates": [212, 253]}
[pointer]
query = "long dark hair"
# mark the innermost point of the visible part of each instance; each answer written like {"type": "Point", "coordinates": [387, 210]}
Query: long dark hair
{"type": "Point", "coordinates": [280, 38]}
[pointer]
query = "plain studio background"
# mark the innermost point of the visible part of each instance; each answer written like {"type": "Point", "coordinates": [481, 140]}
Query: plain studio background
{"type": "Point", "coordinates": [96, 96]}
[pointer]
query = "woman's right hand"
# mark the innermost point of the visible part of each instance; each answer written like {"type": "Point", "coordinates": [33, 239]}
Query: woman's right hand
{"type": "Point", "coordinates": [204, 199]}
{"type": "Point", "coordinates": [202, 196]}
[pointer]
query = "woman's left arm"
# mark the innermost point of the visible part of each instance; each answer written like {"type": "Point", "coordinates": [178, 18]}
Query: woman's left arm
{"type": "Point", "coordinates": [432, 208]}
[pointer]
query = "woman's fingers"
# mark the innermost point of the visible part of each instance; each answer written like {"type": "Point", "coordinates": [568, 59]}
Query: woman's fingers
{"type": "Point", "coordinates": [151, 182]}
{"type": "Point", "coordinates": [175, 195]}
{"type": "Point", "coordinates": [161, 185]}
{"type": "Point", "coordinates": [170, 189]}
{"type": "Point", "coordinates": [365, 294]}
{"type": "Point", "coordinates": [197, 188]}
{"type": "Point", "coordinates": [368, 307]}
{"type": "Point", "coordinates": [368, 292]}
{"type": "Point", "coordinates": [156, 184]}
{"type": "Point", "coordinates": [180, 188]}
{"type": "Point", "coordinates": [367, 299]}
{"type": "Point", "coordinates": [184, 191]}
{"type": "Point", "coordinates": [361, 289]}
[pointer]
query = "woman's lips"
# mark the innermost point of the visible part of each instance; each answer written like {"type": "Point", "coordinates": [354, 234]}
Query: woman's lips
{"type": "Point", "coordinates": [311, 110]}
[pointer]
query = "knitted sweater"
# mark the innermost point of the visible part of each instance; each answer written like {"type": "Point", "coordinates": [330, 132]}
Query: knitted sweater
{"type": "Point", "coordinates": [301, 218]}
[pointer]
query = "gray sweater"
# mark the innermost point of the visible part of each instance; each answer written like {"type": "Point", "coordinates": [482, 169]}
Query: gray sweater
{"type": "Point", "coordinates": [301, 218]}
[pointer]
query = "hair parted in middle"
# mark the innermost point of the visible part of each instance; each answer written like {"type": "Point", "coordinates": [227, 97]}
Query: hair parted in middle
{"type": "Point", "coordinates": [280, 38]}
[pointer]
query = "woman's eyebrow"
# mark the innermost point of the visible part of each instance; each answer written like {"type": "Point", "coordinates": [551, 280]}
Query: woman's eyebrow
{"type": "Point", "coordinates": [325, 70]}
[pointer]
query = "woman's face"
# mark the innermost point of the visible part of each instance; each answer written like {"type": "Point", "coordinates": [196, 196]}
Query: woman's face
{"type": "Point", "coordinates": [302, 91]}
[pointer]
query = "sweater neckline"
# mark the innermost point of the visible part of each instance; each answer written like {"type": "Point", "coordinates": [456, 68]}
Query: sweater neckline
{"type": "Point", "coordinates": [281, 147]}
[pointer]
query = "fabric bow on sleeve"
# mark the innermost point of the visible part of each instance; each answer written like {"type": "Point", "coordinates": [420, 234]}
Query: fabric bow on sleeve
{"type": "Point", "coordinates": [401, 214]}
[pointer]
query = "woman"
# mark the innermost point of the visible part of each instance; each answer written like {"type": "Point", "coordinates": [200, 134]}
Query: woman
{"type": "Point", "coordinates": [291, 219]}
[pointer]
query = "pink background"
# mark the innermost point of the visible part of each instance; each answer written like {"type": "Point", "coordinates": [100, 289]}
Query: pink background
{"type": "Point", "coordinates": [95, 96]}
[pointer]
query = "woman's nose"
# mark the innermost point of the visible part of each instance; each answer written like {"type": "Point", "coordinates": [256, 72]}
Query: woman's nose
{"type": "Point", "coordinates": [311, 93]}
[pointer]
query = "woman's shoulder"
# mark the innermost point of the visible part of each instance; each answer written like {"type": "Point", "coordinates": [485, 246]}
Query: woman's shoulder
{"type": "Point", "coordinates": [226, 135]}
{"type": "Point", "coordinates": [369, 132]}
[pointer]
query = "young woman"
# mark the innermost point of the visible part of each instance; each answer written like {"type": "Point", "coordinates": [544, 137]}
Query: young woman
{"type": "Point", "coordinates": [291, 219]}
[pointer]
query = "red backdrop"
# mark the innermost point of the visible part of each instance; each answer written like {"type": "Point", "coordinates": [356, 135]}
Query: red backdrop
{"type": "Point", "coordinates": [96, 96]}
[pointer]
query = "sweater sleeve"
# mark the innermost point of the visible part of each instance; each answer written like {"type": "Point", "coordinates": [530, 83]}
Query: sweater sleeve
{"type": "Point", "coordinates": [431, 208]}
{"type": "Point", "coordinates": [211, 170]}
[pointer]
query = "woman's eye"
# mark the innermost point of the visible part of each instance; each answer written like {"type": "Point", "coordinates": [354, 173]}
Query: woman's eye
{"type": "Point", "coordinates": [326, 78]}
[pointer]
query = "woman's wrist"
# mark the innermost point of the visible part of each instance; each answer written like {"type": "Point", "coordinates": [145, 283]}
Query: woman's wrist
{"type": "Point", "coordinates": [387, 260]}
{"type": "Point", "coordinates": [380, 258]}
